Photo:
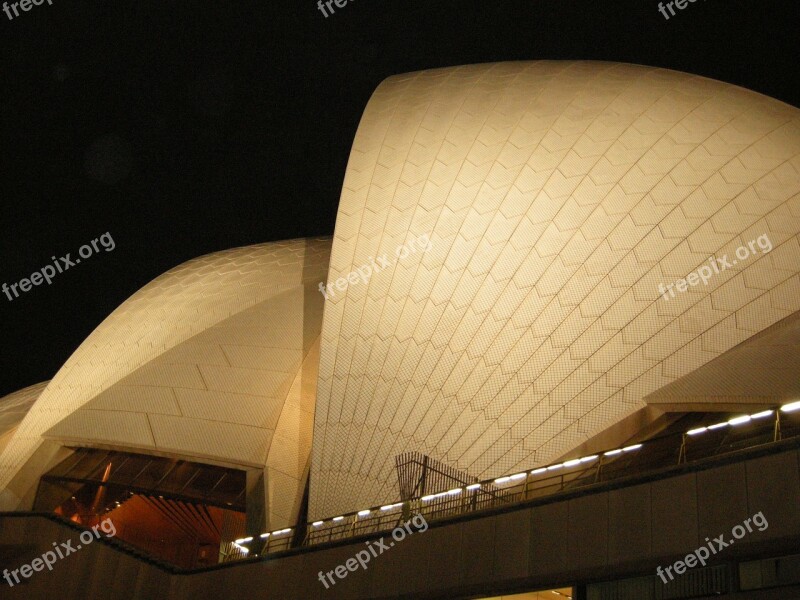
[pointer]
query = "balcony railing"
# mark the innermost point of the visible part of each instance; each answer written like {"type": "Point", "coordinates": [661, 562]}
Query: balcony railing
{"type": "Point", "coordinates": [704, 441]}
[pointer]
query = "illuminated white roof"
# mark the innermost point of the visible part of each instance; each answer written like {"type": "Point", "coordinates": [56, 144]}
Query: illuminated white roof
{"type": "Point", "coordinates": [557, 197]}
{"type": "Point", "coordinates": [216, 361]}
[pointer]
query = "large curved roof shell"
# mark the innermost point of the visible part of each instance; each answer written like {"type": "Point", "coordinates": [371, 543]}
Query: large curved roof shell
{"type": "Point", "coordinates": [216, 361]}
{"type": "Point", "coordinates": [557, 197]}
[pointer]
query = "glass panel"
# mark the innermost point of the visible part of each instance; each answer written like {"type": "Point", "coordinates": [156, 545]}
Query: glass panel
{"type": "Point", "coordinates": [64, 467]}
{"type": "Point", "coordinates": [102, 471]}
{"type": "Point", "coordinates": [158, 476]}
{"type": "Point", "coordinates": [52, 494]}
{"type": "Point", "coordinates": [155, 471]}
{"type": "Point", "coordinates": [228, 488]}
{"type": "Point", "coordinates": [178, 477]}
{"type": "Point", "coordinates": [126, 470]}
{"type": "Point", "coordinates": [201, 485]}
{"type": "Point", "coordinates": [95, 460]}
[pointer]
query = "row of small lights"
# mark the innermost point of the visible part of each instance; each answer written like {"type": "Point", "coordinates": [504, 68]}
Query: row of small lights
{"type": "Point", "coordinates": [565, 465]}
{"type": "Point", "coordinates": [361, 513]}
{"type": "Point", "coordinates": [517, 476]}
{"type": "Point", "coordinates": [238, 543]}
{"type": "Point", "coordinates": [476, 486]}
{"type": "Point", "coordinates": [787, 408]}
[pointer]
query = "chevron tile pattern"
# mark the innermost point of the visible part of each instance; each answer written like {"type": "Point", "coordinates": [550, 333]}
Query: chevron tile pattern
{"type": "Point", "coordinates": [557, 196]}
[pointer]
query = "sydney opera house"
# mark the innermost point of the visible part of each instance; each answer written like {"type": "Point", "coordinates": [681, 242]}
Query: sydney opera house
{"type": "Point", "coordinates": [558, 318]}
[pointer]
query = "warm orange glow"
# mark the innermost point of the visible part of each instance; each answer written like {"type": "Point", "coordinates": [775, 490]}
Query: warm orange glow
{"type": "Point", "coordinates": [181, 533]}
{"type": "Point", "coordinates": [101, 491]}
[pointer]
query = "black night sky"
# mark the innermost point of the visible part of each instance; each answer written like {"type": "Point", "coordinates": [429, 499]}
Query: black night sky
{"type": "Point", "coordinates": [184, 128]}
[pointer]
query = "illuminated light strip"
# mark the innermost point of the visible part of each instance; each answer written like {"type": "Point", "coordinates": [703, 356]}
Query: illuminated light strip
{"type": "Point", "coordinates": [631, 448]}
{"type": "Point", "coordinates": [733, 422]}
{"type": "Point", "coordinates": [430, 497]}
{"type": "Point", "coordinates": [791, 407]}
{"type": "Point", "coordinates": [264, 536]}
{"type": "Point", "coordinates": [433, 496]}
{"type": "Point", "coordinates": [570, 463]}
{"type": "Point", "coordinates": [518, 476]}
{"type": "Point", "coordinates": [317, 523]}
{"type": "Point", "coordinates": [502, 480]}
{"type": "Point", "coordinates": [336, 519]}
{"type": "Point", "coordinates": [473, 486]}
{"type": "Point", "coordinates": [244, 540]}
{"type": "Point", "coordinates": [613, 452]}
{"type": "Point", "coordinates": [391, 506]}
{"type": "Point", "coordinates": [281, 531]}
{"type": "Point", "coordinates": [363, 513]}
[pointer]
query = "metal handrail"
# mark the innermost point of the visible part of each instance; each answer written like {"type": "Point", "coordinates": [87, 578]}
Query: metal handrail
{"type": "Point", "coordinates": [608, 465]}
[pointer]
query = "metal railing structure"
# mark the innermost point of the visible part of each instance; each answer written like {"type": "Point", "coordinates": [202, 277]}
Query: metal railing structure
{"type": "Point", "coordinates": [418, 473]}
{"type": "Point", "coordinates": [703, 441]}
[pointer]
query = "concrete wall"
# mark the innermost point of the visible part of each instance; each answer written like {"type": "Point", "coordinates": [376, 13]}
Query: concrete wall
{"type": "Point", "coordinates": [96, 570]}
